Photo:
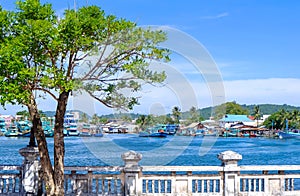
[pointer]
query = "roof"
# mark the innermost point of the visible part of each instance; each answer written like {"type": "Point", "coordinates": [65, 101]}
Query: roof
{"type": "Point", "coordinates": [235, 118]}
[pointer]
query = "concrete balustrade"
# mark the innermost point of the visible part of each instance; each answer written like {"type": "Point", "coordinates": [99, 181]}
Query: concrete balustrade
{"type": "Point", "coordinates": [131, 179]}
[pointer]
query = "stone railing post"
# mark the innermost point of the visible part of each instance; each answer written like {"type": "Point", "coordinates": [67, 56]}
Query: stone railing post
{"type": "Point", "coordinates": [231, 171]}
{"type": "Point", "coordinates": [30, 177]}
{"type": "Point", "coordinates": [131, 171]}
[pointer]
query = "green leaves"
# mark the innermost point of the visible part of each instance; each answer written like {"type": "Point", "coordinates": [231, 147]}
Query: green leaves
{"type": "Point", "coordinates": [41, 52]}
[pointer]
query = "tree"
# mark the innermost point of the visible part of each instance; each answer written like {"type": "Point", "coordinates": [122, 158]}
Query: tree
{"type": "Point", "coordinates": [95, 119]}
{"type": "Point", "coordinates": [257, 114]}
{"type": "Point", "coordinates": [41, 53]}
{"type": "Point", "coordinates": [282, 118]}
{"type": "Point", "coordinates": [176, 114]}
{"type": "Point", "coordinates": [230, 108]}
{"type": "Point", "coordinates": [194, 115]}
{"type": "Point", "coordinates": [84, 118]}
{"type": "Point", "coordinates": [24, 114]}
{"type": "Point", "coordinates": [144, 121]}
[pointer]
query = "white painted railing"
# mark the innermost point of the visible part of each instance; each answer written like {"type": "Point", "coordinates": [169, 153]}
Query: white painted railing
{"type": "Point", "coordinates": [229, 179]}
{"type": "Point", "coordinates": [10, 180]}
{"type": "Point", "coordinates": [93, 181]}
{"type": "Point", "coordinates": [170, 180]}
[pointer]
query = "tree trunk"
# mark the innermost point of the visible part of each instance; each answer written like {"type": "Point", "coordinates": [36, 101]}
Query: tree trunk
{"type": "Point", "coordinates": [42, 146]}
{"type": "Point", "coordinates": [59, 145]}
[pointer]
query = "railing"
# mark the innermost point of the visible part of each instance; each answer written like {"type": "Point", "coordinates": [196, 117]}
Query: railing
{"type": "Point", "coordinates": [94, 181]}
{"type": "Point", "coordinates": [271, 180]}
{"type": "Point", "coordinates": [10, 180]}
{"type": "Point", "coordinates": [170, 180]}
{"type": "Point", "coordinates": [229, 179]}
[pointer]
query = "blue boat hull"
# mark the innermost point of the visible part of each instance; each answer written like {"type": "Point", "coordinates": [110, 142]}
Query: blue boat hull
{"type": "Point", "coordinates": [153, 134]}
{"type": "Point", "coordinates": [289, 134]}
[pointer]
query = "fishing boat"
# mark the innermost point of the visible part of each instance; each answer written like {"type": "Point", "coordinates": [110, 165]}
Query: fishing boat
{"type": "Point", "coordinates": [85, 134]}
{"type": "Point", "coordinates": [86, 130]}
{"type": "Point", "coordinates": [199, 133]}
{"type": "Point", "coordinates": [153, 132]}
{"type": "Point", "coordinates": [2, 125]}
{"type": "Point", "coordinates": [12, 131]}
{"type": "Point", "coordinates": [158, 134]}
{"type": "Point", "coordinates": [98, 132]}
{"type": "Point", "coordinates": [171, 129]}
{"type": "Point", "coordinates": [287, 134]}
{"type": "Point", "coordinates": [73, 130]}
{"type": "Point", "coordinates": [70, 125]}
{"type": "Point", "coordinates": [24, 128]}
{"type": "Point", "coordinates": [98, 135]}
{"type": "Point", "coordinates": [48, 129]}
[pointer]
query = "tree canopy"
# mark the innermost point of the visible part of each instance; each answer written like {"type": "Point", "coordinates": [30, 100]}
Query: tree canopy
{"type": "Point", "coordinates": [85, 50]}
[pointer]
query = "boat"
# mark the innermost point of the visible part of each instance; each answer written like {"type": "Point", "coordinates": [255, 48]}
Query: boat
{"type": "Point", "coordinates": [86, 130]}
{"type": "Point", "coordinates": [73, 130]}
{"type": "Point", "coordinates": [171, 129]}
{"type": "Point", "coordinates": [2, 125]}
{"type": "Point", "coordinates": [70, 125]}
{"type": "Point", "coordinates": [98, 132]}
{"type": "Point", "coordinates": [157, 134]}
{"type": "Point", "coordinates": [287, 134]}
{"type": "Point", "coordinates": [12, 131]}
{"type": "Point", "coordinates": [48, 129]}
{"type": "Point", "coordinates": [98, 135]}
{"type": "Point", "coordinates": [65, 132]}
{"type": "Point", "coordinates": [24, 128]}
{"type": "Point", "coordinates": [210, 133]}
{"type": "Point", "coordinates": [153, 132]}
{"type": "Point", "coordinates": [199, 133]}
{"type": "Point", "coordinates": [85, 134]}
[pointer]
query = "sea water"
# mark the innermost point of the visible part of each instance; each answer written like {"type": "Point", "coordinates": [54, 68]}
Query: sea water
{"type": "Point", "coordinates": [173, 150]}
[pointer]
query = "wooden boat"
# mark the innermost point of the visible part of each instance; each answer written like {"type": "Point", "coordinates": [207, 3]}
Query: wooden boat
{"type": "Point", "coordinates": [12, 131]}
{"type": "Point", "coordinates": [24, 128]}
{"type": "Point", "coordinates": [157, 134]}
{"type": "Point", "coordinates": [85, 134]}
{"type": "Point", "coordinates": [98, 135]}
{"type": "Point", "coordinates": [2, 125]}
{"type": "Point", "coordinates": [72, 130]}
{"type": "Point", "coordinates": [287, 134]}
{"type": "Point", "coordinates": [49, 133]}
{"type": "Point", "coordinates": [85, 131]}
{"type": "Point", "coordinates": [199, 133]}
{"type": "Point", "coordinates": [156, 131]}
{"type": "Point", "coordinates": [48, 129]}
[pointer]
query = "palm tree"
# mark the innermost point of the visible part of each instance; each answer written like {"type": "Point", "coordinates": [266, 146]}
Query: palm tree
{"type": "Point", "coordinates": [176, 114]}
{"type": "Point", "coordinates": [257, 114]}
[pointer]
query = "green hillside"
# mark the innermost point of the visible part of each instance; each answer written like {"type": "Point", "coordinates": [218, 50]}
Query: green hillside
{"type": "Point", "coordinates": [265, 109]}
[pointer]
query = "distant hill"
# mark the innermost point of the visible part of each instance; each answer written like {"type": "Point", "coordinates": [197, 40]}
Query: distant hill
{"type": "Point", "coordinates": [52, 113]}
{"type": "Point", "coordinates": [265, 109]}
{"type": "Point", "coordinates": [270, 108]}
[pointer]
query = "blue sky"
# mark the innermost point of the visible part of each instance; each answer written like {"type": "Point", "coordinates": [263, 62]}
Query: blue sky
{"type": "Point", "coordinates": [255, 44]}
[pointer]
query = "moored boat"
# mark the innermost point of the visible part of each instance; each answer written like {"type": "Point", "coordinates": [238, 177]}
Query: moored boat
{"type": "Point", "coordinates": [2, 125]}
{"type": "Point", "coordinates": [98, 135]}
{"type": "Point", "coordinates": [86, 130]}
{"type": "Point", "coordinates": [24, 128]}
{"type": "Point", "coordinates": [72, 130]}
{"type": "Point", "coordinates": [157, 134]}
{"type": "Point", "coordinates": [12, 131]}
{"type": "Point", "coordinates": [70, 125]}
{"type": "Point", "coordinates": [156, 131]}
{"type": "Point", "coordinates": [289, 134]}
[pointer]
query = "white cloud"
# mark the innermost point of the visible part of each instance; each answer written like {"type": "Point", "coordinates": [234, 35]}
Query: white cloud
{"type": "Point", "coordinates": [271, 90]}
{"type": "Point", "coordinates": [186, 93]}
{"type": "Point", "coordinates": [221, 15]}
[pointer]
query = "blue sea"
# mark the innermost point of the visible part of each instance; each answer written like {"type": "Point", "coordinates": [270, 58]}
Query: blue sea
{"type": "Point", "coordinates": [173, 150]}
